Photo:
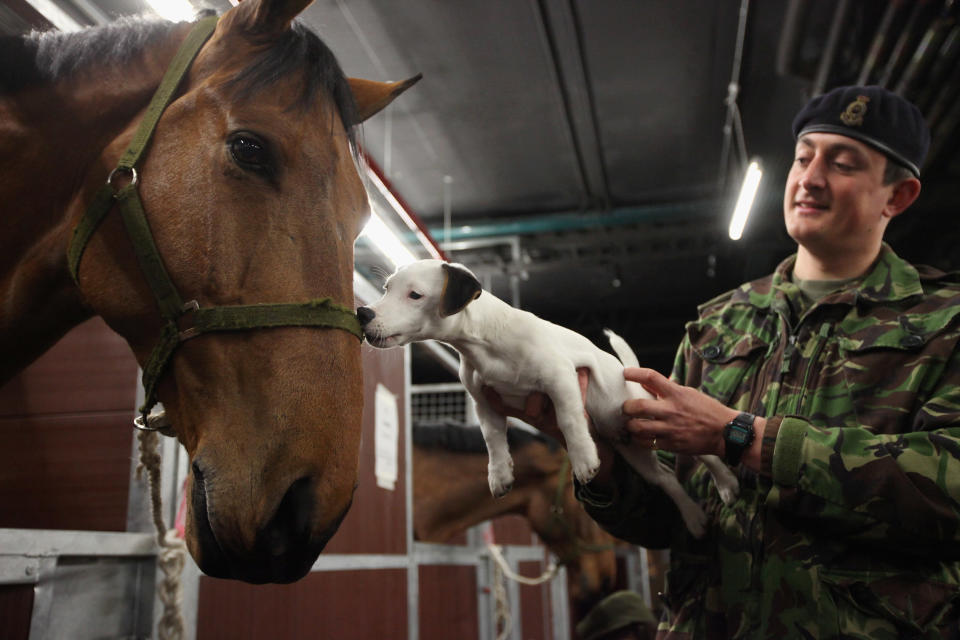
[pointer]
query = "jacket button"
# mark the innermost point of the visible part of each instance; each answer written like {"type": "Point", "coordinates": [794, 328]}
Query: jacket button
{"type": "Point", "coordinates": [711, 352]}
{"type": "Point", "coordinates": [911, 341]}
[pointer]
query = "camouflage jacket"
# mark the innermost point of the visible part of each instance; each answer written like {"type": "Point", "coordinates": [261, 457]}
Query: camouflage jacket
{"type": "Point", "coordinates": [852, 528]}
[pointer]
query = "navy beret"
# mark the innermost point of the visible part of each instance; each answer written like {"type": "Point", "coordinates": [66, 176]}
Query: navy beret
{"type": "Point", "coordinates": [877, 117]}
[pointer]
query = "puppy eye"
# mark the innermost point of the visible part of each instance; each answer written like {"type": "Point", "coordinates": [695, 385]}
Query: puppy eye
{"type": "Point", "coordinates": [415, 296]}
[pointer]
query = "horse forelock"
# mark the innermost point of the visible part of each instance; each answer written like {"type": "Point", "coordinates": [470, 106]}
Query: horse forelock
{"type": "Point", "coordinates": [48, 56]}
{"type": "Point", "coordinates": [300, 50]}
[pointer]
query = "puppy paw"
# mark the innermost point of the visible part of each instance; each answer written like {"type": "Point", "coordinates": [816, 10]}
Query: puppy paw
{"type": "Point", "coordinates": [500, 479]}
{"type": "Point", "coordinates": [585, 470]}
{"type": "Point", "coordinates": [728, 492]}
{"type": "Point", "coordinates": [696, 521]}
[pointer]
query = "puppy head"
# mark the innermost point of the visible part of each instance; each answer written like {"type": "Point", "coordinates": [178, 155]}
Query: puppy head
{"type": "Point", "coordinates": [418, 299]}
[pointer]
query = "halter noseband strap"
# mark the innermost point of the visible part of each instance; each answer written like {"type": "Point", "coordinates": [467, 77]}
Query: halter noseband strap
{"type": "Point", "coordinates": [183, 321]}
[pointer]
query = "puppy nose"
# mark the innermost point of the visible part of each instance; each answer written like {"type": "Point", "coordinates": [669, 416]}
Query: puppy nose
{"type": "Point", "coordinates": [365, 315]}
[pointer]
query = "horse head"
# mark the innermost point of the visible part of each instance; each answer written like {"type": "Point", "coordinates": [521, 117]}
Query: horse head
{"type": "Point", "coordinates": [252, 194]}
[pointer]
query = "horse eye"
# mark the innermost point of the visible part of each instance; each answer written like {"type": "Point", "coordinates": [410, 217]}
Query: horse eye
{"type": "Point", "coordinates": [415, 296]}
{"type": "Point", "coordinates": [249, 152]}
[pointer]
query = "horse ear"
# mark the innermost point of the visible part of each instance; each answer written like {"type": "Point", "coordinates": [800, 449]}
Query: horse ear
{"type": "Point", "coordinates": [268, 16]}
{"type": "Point", "coordinates": [460, 289]}
{"type": "Point", "coordinates": [371, 97]}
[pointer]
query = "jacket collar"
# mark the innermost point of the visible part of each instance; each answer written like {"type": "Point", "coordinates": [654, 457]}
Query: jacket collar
{"type": "Point", "coordinates": [889, 279]}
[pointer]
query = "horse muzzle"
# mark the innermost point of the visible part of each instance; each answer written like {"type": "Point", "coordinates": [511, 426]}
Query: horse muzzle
{"type": "Point", "coordinates": [284, 547]}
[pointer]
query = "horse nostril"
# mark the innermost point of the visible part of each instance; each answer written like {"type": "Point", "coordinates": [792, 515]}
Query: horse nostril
{"type": "Point", "coordinates": [290, 525]}
{"type": "Point", "coordinates": [365, 315]}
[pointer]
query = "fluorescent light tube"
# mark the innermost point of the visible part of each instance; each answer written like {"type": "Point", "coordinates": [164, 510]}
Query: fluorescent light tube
{"type": "Point", "coordinates": [174, 10]}
{"type": "Point", "coordinates": [60, 19]}
{"type": "Point", "coordinates": [386, 241]}
{"type": "Point", "coordinates": [751, 181]}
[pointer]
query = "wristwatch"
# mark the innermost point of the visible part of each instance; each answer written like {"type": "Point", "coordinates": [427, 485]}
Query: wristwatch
{"type": "Point", "coordinates": [738, 435]}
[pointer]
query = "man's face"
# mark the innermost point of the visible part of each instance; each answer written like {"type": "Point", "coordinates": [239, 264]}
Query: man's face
{"type": "Point", "coordinates": [835, 198]}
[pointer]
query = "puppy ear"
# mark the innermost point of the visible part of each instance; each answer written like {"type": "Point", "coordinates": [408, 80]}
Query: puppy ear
{"type": "Point", "coordinates": [459, 289]}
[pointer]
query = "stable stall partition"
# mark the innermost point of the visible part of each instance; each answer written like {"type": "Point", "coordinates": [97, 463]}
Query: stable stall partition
{"type": "Point", "coordinates": [78, 554]}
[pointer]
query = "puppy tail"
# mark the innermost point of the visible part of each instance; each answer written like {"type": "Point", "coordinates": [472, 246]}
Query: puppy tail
{"type": "Point", "coordinates": [622, 349]}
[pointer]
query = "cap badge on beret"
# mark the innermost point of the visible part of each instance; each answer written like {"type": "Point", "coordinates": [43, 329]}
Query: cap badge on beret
{"type": "Point", "coordinates": [853, 115]}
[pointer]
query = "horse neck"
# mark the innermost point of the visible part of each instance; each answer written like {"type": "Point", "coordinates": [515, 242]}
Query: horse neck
{"type": "Point", "coordinates": [451, 494]}
{"type": "Point", "coordinates": [57, 141]}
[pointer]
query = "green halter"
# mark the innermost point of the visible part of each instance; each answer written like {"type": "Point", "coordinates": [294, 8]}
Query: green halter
{"type": "Point", "coordinates": [183, 321]}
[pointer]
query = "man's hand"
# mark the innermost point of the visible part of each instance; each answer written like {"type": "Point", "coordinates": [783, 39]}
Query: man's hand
{"type": "Point", "coordinates": [682, 419]}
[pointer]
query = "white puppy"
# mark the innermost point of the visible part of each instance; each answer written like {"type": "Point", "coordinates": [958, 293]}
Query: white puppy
{"type": "Point", "coordinates": [516, 353]}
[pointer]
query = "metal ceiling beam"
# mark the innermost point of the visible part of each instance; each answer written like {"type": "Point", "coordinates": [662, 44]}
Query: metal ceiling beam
{"type": "Point", "coordinates": [562, 39]}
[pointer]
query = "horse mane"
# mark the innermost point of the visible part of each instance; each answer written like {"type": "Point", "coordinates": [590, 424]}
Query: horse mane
{"type": "Point", "coordinates": [460, 438]}
{"type": "Point", "coordinates": [44, 57]}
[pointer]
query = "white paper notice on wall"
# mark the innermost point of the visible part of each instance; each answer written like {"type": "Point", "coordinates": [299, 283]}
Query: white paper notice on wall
{"type": "Point", "coordinates": [386, 436]}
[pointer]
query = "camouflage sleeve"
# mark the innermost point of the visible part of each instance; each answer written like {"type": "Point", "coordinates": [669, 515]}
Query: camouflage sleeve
{"type": "Point", "coordinates": [634, 510]}
{"type": "Point", "coordinates": [898, 491]}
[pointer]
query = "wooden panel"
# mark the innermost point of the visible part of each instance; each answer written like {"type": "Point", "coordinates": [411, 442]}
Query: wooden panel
{"type": "Point", "coordinates": [65, 472]}
{"type": "Point", "coordinates": [534, 604]}
{"type": "Point", "coordinates": [67, 437]}
{"type": "Point", "coordinates": [346, 605]}
{"type": "Point", "coordinates": [376, 521]}
{"type": "Point", "coordinates": [448, 603]}
{"type": "Point", "coordinates": [91, 369]}
{"type": "Point", "coordinates": [16, 607]}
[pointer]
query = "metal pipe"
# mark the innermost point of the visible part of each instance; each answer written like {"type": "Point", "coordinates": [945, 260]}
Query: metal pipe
{"type": "Point", "coordinates": [791, 36]}
{"type": "Point", "coordinates": [901, 49]}
{"type": "Point", "coordinates": [881, 42]}
{"type": "Point", "coordinates": [822, 77]}
{"type": "Point", "coordinates": [576, 220]}
{"type": "Point", "coordinates": [940, 71]}
{"type": "Point", "coordinates": [923, 57]}
{"type": "Point", "coordinates": [733, 92]}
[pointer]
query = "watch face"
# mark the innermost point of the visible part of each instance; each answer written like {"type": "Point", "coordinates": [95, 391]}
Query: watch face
{"type": "Point", "coordinates": [737, 436]}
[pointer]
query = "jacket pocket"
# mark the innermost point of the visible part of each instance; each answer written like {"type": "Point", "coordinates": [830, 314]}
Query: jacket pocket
{"type": "Point", "coordinates": [729, 361]}
{"type": "Point", "coordinates": [891, 364]}
{"type": "Point", "coordinates": [878, 604]}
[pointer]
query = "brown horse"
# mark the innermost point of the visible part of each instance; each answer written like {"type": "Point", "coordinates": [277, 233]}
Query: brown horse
{"type": "Point", "coordinates": [250, 187]}
{"type": "Point", "coordinates": [450, 494]}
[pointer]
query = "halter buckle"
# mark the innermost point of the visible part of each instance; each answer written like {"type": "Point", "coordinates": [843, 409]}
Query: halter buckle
{"type": "Point", "coordinates": [190, 332]}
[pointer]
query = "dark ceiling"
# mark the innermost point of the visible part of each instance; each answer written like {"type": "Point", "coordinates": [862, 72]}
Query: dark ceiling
{"type": "Point", "coordinates": [575, 154]}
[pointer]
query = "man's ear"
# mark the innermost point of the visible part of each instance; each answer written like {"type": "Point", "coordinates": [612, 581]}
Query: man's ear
{"type": "Point", "coordinates": [460, 288]}
{"type": "Point", "coordinates": [904, 194]}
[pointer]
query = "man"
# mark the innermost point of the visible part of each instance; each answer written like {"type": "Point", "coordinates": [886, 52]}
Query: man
{"type": "Point", "coordinates": [620, 616]}
{"type": "Point", "coordinates": [833, 387]}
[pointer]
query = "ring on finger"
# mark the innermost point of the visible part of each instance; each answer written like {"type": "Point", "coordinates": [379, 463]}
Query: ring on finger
{"type": "Point", "coordinates": [653, 445]}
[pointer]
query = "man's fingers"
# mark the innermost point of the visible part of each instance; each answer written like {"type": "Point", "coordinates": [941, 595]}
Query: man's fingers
{"type": "Point", "coordinates": [654, 382]}
{"type": "Point", "coordinates": [638, 407]}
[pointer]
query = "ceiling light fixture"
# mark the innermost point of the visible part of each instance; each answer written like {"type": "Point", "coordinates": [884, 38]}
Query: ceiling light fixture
{"type": "Point", "coordinates": [174, 10]}
{"type": "Point", "coordinates": [734, 125]}
{"type": "Point", "coordinates": [748, 191]}
{"type": "Point", "coordinates": [57, 16]}
{"type": "Point", "coordinates": [386, 241]}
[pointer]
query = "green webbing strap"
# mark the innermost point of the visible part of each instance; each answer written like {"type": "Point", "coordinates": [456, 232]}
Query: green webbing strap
{"type": "Point", "coordinates": [316, 313]}
{"type": "Point", "coordinates": [135, 221]}
{"type": "Point", "coordinates": [104, 198]}
{"type": "Point", "coordinates": [97, 210]}
{"type": "Point", "coordinates": [320, 313]}
{"type": "Point", "coordinates": [181, 62]}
